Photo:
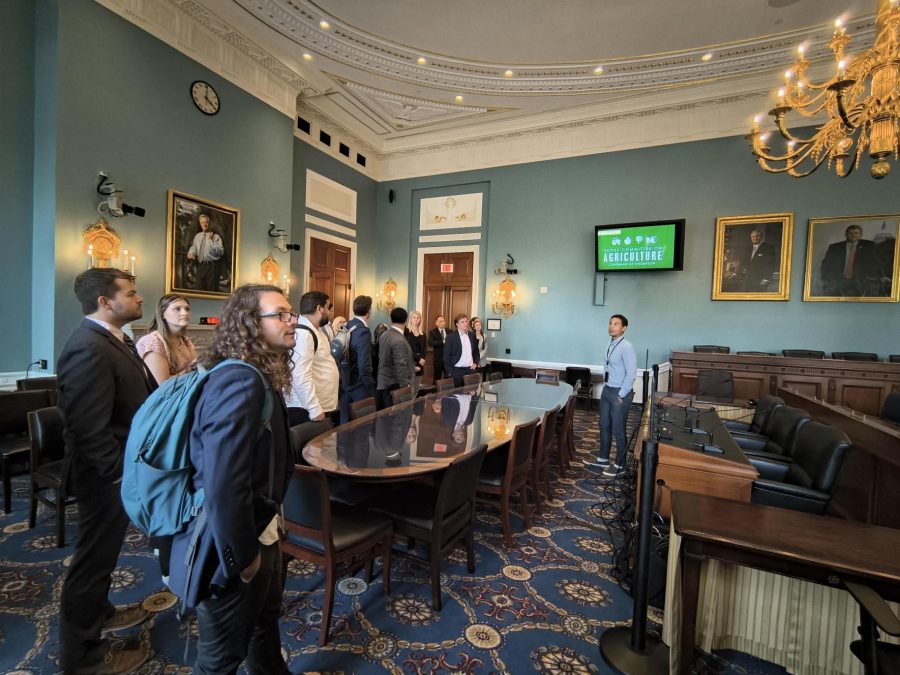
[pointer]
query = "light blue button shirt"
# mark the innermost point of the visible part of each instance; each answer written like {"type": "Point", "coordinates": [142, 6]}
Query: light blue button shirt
{"type": "Point", "coordinates": [621, 364]}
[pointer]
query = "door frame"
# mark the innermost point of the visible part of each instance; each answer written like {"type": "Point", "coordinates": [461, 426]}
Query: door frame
{"type": "Point", "coordinates": [318, 234]}
{"type": "Point", "coordinates": [476, 271]}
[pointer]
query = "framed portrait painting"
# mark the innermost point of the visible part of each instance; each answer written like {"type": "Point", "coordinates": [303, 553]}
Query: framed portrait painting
{"type": "Point", "coordinates": [201, 247]}
{"type": "Point", "coordinates": [753, 257]}
{"type": "Point", "coordinates": [852, 259]}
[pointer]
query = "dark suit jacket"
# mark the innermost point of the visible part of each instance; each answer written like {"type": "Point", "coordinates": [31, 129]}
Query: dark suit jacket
{"type": "Point", "coordinates": [395, 360]}
{"type": "Point", "coordinates": [102, 383]}
{"type": "Point", "coordinates": [231, 464]}
{"type": "Point", "coordinates": [453, 350]}
{"type": "Point", "coordinates": [450, 406]}
{"type": "Point", "coordinates": [759, 267]}
{"type": "Point", "coordinates": [836, 257]}
{"type": "Point", "coordinates": [437, 344]}
{"type": "Point", "coordinates": [360, 375]}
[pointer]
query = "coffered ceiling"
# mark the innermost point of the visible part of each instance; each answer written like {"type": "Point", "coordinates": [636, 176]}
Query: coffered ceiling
{"type": "Point", "coordinates": [404, 74]}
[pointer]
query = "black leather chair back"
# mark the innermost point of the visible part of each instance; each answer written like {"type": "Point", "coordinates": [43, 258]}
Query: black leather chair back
{"type": "Point", "coordinates": [891, 408]}
{"type": "Point", "coordinates": [894, 358]}
{"type": "Point", "coordinates": [818, 453]}
{"type": "Point", "coordinates": [15, 406]}
{"type": "Point", "coordinates": [715, 383]}
{"type": "Point", "coordinates": [47, 441]}
{"type": "Point", "coordinates": [459, 483]}
{"type": "Point", "coordinates": [520, 447]}
{"type": "Point", "coordinates": [803, 353]}
{"type": "Point", "coordinates": [307, 505]}
{"type": "Point", "coordinates": [712, 349]}
{"type": "Point", "coordinates": [855, 356]}
{"type": "Point", "coordinates": [502, 367]}
{"type": "Point", "coordinates": [784, 424]}
{"type": "Point", "coordinates": [765, 406]}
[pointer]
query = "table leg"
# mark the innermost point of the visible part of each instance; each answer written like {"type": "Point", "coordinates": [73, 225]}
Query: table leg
{"type": "Point", "coordinates": [691, 559]}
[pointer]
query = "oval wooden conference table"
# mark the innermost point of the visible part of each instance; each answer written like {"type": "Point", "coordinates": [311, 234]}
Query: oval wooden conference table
{"type": "Point", "coordinates": [425, 435]}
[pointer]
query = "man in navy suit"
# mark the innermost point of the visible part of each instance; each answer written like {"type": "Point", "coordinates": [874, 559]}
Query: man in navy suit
{"type": "Point", "coordinates": [243, 464]}
{"type": "Point", "coordinates": [357, 381]}
{"type": "Point", "coordinates": [461, 351]}
{"type": "Point", "coordinates": [759, 265]}
{"type": "Point", "coordinates": [847, 264]}
{"type": "Point", "coordinates": [102, 383]}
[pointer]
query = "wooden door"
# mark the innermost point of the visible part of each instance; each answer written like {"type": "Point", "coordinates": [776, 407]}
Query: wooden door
{"type": "Point", "coordinates": [446, 293]}
{"type": "Point", "coordinates": [329, 272]}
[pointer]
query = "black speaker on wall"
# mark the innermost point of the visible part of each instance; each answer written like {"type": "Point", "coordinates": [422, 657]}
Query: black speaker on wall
{"type": "Point", "coordinates": [391, 196]}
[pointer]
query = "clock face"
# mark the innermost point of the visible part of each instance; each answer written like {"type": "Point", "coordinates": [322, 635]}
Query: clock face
{"type": "Point", "coordinates": [205, 97]}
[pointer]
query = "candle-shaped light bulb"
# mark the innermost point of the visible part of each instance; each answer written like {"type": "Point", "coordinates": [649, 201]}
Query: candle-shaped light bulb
{"type": "Point", "coordinates": [269, 277]}
{"type": "Point", "coordinates": [781, 95]}
{"type": "Point", "coordinates": [133, 258]}
{"type": "Point", "coordinates": [841, 69]}
{"type": "Point", "coordinates": [90, 252]}
{"type": "Point", "coordinates": [800, 50]}
{"type": "Point", "coordinates": [788, 74]}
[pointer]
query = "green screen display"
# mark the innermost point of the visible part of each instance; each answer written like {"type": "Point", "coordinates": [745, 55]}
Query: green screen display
{"type": "Point", "coordinates": [647, 246]}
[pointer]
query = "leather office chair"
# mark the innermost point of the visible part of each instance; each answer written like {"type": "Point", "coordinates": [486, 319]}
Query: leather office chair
{"type": "Point", "coordinates": [506, 472]}
{"type": "Point", "coordinates": [401, 395]}
{"type": "Point", "coordinates": [803, 353]}
{"type": "Point", "coordinates": [445, 385]}
{"type": "Point", "coordinates": [877, 657]}
{"type": "Point", "coordinates": [442, 516]}
{"type": "Point", "coordinates": [15, 446]}
{"type": "Point", "coordinates": [502, 367]}
{"type": "Point", "coordinates": [755, 354]}
{"type": "Point", "coordinates": [341, 538]}
{"type": "Point", "coordinates": [890, 410]}
{"type": "Point", "coordinates": [715, 383]}
{"type": "Point", "coordinates": [48, 447]}
{"type": "Point", "coordinates": [806, 483]}
{"type": "Point", "coordinates": [546, 376]}
{"type": "Point", "coordinates": [855, 356]}
{"type": "Point", "coordinates": [894, 358]}
{"type": "Point", "coordinates": [496, 377]}
{"type": "Point", "coordinates": [764, 407]}
{"type": "Point", "coordinates": [778, 437]}
{"type": "Point", "coordinates": [712, 349]}
{"type": "Point", "coordinates": [580, 379]}
{"type": "Point", "coordinates": [301, 434]}
{"type": "Point", "coordinates": [363, 407]}
{"type": "Point", "coordinates": [472, 380]}
{"type": "Point", "coordinates": [544, 441]}
{"type": "Point", "coordinates": [565, 434]}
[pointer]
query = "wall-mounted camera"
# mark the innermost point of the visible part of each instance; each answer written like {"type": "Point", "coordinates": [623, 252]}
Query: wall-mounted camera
{"type": "Point", "coordinates": [505, 266]}
{"type": "Point", "coordinates": [280, 237]}
{"type": "Point", "coordinates": [114, 204]}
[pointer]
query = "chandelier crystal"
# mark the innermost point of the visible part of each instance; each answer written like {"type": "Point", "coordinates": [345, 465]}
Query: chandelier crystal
{"type": "Point", "coordinates": [861, 101]}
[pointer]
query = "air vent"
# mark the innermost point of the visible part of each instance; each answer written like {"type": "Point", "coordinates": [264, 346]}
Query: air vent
{"type": "Point", "coordinates": [360, 159]}
{"type": "Point", "coordinates": [303, 125]}
{"type": "Point", "coordinates": [325, 138]}
{"type": "Point", "coordinates": [344, 150]}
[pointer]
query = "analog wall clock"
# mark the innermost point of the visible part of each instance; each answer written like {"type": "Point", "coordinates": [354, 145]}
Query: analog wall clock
{"type": "Point", "coordinates": [205, 97]}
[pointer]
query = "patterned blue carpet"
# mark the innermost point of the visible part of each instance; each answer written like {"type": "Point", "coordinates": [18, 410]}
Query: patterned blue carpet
{"type": "Point", "coordinates": [538, 607]}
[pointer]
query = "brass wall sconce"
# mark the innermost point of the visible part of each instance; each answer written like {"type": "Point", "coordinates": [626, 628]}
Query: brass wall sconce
{"type": "Point", "coordinates": [385, 299]}
{"type": "Point", "coordinates": [498, 422]}
{"type": "Point", "coordinates": [102, 245]}
{"type": "Point", "coordinates": [505, 298]}
{"type": "Point", "coordinates": [269, 271]}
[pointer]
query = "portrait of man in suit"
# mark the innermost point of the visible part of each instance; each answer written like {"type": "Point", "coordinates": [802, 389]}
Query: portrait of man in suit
{"type": "Point", "coordinates": [848, 263]}
{"type": "Point", "coordinates": [752, 257]}
{"type": "Point", "coordinates": [759, 264]}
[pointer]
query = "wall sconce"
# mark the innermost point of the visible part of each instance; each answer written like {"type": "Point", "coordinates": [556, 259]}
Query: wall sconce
{"type": "Point", "coordinates": [384, 299]}
{"type": "Point", "coordinates": [269, 272]}
{"type": "Point", "coordinates": [498, 422]}
{"type": "Point", "coordinates": [505, 298]}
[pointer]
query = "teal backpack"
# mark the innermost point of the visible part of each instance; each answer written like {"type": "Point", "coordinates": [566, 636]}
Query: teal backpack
{"type": "Point", "coordinates": [157, 490]}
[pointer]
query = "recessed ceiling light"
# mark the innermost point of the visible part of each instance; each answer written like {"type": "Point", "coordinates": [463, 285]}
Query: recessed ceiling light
{"type": "Point", "coordinates": [459, 99]}
{"type": "Point", "coordinates": [508, 73]}
{"type": "Point", "coordinates": [707, 56]}
{"type": "Point", "coordinates": [421, 60]}
{"type": "Point", "coordinates": [307, 56]}
{"type": "Point", "coordinates": [324, 25]}
{"type": "Point", "coordinates": [598, 70]}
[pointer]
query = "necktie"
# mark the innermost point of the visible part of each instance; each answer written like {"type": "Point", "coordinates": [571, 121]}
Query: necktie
{"type": "Point", "coordinates": [130, 344]}
{"type": "Point", "coordinates": [851, 258]}
{"type": "Point", "coordinates": [443, 335]}
{"type": "Point", "coordinates": [151, 381]}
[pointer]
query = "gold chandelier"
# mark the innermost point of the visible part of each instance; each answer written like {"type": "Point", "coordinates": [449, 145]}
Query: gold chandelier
{"type": "Point", "coordinates": [862, 102]}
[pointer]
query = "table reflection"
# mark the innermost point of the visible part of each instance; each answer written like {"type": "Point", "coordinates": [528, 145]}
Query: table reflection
{"type": "Point", "coordinates": [425, 435]}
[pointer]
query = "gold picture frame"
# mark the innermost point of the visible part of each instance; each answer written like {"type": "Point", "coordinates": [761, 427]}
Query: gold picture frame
{"type": "Point", "coordinates": [201, 266]}
{"type": "Point", "coordinates": [872, 274]}
{"type": "Point", "coordinates": [753, 257]}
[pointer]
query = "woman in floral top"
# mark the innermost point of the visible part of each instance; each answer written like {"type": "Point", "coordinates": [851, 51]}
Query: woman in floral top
{"type": "Point", "coordinates": [166, 349]}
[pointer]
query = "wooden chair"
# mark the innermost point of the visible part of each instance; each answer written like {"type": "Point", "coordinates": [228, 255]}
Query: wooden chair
{"type": "Point", "coordinates": [441, 516]}
{"type": "Point", "coordinates": [472, 380]}
{"type": "Point", "coordinates": [445, 385]}
{"type": "Point", "coordinates": [565, 435]}
{"type": "Point", "coordinates": [48, 448]}
{"type": "Point", "coordinates": [362, 407]}
{"type": "Point", "coordinates": [15, 446]}
{"type": "Point", "coordinates": [340, 538]}
{"type": "Point", "coordinates": [546, 376]}
{"type": "Point", "coordinates": [496, 377]}
{"type": "Point", "coordinates": [544, 441]}
{"type": "Point", "coordinates": [506, 472]}
{"type": "Point", "coordinates": [402, 395]}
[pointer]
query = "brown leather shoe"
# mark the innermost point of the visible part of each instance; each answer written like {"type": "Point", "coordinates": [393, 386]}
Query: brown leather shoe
{"type": "Point", "coordinates": [125, 617]}
{"type": "Point", "coordinates": [122, 661]}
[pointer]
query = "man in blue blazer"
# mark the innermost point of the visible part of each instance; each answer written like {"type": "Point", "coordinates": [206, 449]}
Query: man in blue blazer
{"type": "Point", "coordinates": [357, 380]}
{"type": "Point", "coordinates": [243, 464]}
{"type": "Point", "coordinates": [102, 383]}
{"type": "Point", "coordinates": [460, 351]}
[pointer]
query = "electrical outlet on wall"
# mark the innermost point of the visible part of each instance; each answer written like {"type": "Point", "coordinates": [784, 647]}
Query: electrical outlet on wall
{"type": "Point", "coordinates": [42, 364]}
{"type": "Point", "coordinates": [508, 350]}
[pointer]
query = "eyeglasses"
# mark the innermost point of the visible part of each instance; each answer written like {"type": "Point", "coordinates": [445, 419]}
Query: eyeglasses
{"type": "Point", "coordinates": [285, 317]}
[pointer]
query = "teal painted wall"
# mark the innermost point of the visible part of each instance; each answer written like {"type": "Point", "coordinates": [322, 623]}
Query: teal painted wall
{"type": "Point", "coordinates": [124, 106]}
{"type": "Point", "coordinates": [544, 214]}
{"type": "Point", "coordinates": [16, 169]}
{"type": "Point", "coordinates": [307, 157]}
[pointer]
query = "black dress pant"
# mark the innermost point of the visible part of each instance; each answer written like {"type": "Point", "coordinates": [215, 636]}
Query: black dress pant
{"type": "Point", "coordinates": [84, 604]}
{"type": "Point", "coordinates": [242, 622]}
{"type": "Point", "coordinates": [438, 363]}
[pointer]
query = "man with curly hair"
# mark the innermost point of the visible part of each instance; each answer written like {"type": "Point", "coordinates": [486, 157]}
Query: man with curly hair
{"type": "Point", "coordinates": [242, 463]}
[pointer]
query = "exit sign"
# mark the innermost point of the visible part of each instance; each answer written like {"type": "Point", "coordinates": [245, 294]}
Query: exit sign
{"type": "Point", "coordinates": [446, 268]}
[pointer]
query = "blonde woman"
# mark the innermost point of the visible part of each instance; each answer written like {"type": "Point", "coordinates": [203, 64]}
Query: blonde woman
{"type": "Point", "coordinates": [482, 340]}
{"type": "Point", "coordinates": [332, 329]}
{"type": "Point", "coordinates": [415, 336]}
{"type": "Point", "coordinates": [166, 349]}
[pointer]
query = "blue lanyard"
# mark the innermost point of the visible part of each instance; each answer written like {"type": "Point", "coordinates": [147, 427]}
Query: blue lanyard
{"type": "Point", "coordinates": [614, 344]}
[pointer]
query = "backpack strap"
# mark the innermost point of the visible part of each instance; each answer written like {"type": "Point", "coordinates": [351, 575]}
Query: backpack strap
{"type": "Point", "coordinates": [313, 333]}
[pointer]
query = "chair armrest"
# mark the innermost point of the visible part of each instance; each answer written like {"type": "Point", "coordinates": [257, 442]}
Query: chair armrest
{"type": "Point", "coordinates": [770, 469]}
{"type": "Point", "coordinates": [762, 454]}
{"type": "Point", "coordinates": [790, 490]}
{"type": "Point", "coordinates": [875, 606]}
{"type": "Point", "coordinates": [750, 442]}
{"type": "Point", "coordinates": [735, 425]}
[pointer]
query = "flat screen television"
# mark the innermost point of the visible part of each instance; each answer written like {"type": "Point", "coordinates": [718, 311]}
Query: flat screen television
{"type": "Point", "coordinates": [629, 247]}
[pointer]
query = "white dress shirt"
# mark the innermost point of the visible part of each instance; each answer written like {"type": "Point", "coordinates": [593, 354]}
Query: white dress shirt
{"type": "Point", "coordinates": [465, 361]}
{"type": "Point", "coordinates": [315, 378]}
